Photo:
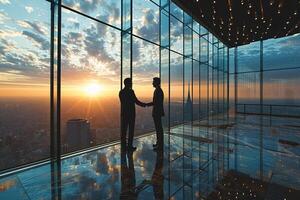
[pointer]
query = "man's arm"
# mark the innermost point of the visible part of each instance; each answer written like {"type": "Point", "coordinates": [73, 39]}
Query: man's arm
{"type": "Point", "coordinates": [150, 104]}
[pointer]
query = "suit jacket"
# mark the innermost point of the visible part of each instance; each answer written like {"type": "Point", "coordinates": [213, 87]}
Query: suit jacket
{"type": "Point", "coordinates": [158, 103]}
{"type": "Point", "coordinates": [128, 101]}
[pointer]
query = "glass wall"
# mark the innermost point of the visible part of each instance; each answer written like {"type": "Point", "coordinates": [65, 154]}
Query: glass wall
{"type": "Point", "coordinates": [266, 75]}
{"type": "Point", "coordinates": [24, 82]}
{"type": "Point", "coordinates": [68, 64]}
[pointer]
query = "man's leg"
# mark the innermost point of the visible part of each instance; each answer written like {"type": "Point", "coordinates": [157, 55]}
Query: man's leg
{"type": "Point", "coordinates": [131, 132]}
{"type": "Point", "coordinates": [124, 125]}
{"type": "Point", "coordinates": [159, 131]}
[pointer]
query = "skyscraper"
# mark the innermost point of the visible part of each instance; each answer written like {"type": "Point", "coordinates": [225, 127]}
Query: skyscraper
{"type": "Point", "coordinates": [78, 134]}
{"type": "Point", "coordinates": [188, 107]}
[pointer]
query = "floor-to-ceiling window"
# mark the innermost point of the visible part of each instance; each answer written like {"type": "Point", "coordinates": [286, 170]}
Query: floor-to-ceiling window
{"type": "Point", "coordinates": [79, 55]}
{"type": "Point", "coordinates": [24, 82]}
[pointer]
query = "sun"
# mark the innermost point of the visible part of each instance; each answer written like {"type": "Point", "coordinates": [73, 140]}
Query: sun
{"type": "Point", "coordinates": [93, 89]}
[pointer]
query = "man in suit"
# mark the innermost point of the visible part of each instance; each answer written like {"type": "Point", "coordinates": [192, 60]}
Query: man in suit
{"type": "Point", "coordinates": [158, 112]}
{"type": "Point", "coordinates": [128, 101]}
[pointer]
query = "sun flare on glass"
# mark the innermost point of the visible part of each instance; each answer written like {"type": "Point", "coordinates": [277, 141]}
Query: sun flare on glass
{"type": "Point", "coordinates": [93, 89]}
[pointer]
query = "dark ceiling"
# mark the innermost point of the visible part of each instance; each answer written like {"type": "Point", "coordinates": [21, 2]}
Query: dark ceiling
{"type": "Point", "coordinates": [238, 22]}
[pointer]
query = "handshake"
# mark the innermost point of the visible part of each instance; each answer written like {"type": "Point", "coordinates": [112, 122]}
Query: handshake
{"type": "Point", "coordinates": [146, 104]}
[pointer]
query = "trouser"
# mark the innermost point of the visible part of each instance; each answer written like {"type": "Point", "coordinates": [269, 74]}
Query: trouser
{"type": "Point", "coordinates": [127, 123]}
{"type": "Point", "coordinates": [159, 131]}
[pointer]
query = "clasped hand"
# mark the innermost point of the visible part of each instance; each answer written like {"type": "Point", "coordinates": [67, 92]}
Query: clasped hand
{"type": "Point", "coordinates": [147, 105]}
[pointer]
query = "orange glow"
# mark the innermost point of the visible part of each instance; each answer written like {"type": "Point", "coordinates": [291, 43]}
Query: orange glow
{"type": "Point", "coordinates": [93, 89]}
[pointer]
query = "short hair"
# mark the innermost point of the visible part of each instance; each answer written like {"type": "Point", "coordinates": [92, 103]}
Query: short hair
{"type": "Point", "coordinates": [127, 81]}
{"type": "Point", "coordinates": [156, 80]}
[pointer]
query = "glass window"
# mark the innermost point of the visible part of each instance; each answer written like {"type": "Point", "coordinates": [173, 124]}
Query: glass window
{"type": "Point", "coordinates": [231, 60]}
{"type": "Point", "coordinates": [196, 47]}
{"type": "Point", "coordinates": [248, 88]}
{"type": "Point", "coordinates": [188, 41]}
{"type": "Point", "coordinates": [146, 20]}
{"type": "Point", "coordinates": [196, 90]}
{"type": "Point", "coordinates": [108, 11]}
{"type": "Point", "coordinates": [176, 103]}
{"type": "Point", "coordinates": [249, 57]}
{"type": "Point", "coordinates": [282, 87]}
{"type": "Point", "coordinates": [90, 83]}
{"type": "Point", "coordinates": [203, 89]}
{"type": "Point", "coordinates": [203, 50]}
{"type": "Point", "coordinates": [176, 11]}
{"type": "Point", "coordinates": [165, 84]}
{"type": "Point", "coordinates": [165, 40]}
{"type": "Point", "coordinates": [145, 67]}
{"type": "Point", "coordinates": [176, 35]}
{"type": "Point", "coordinates": [24, 82]}
{"type": "Point", "coordinates": [282, 53]}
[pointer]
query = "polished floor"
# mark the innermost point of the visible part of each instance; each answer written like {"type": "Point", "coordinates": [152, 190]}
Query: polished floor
{"type": "Point", "coordinates": [242, 157]}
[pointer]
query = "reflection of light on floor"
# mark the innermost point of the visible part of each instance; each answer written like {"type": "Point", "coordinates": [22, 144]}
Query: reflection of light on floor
{"type": "Point", "coordinates": [7, 185]}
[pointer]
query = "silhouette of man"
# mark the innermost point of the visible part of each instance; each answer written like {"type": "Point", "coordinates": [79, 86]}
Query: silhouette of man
{"type": "Point", "coordinates": [158, 112]}
{"type": "Point", "coordinates": [128, 101]}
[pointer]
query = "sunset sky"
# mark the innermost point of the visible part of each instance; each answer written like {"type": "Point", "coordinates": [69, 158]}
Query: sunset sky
{"type": "Point", "coordinates": [91, 51]}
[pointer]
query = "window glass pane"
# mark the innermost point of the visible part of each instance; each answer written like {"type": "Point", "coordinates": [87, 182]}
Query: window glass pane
{"type": "Point", "coordinates": [203, 30]}
{"type": "Point", "coordinates": [249, 57]}
{"type": "Point", "coordinates": [203, 89]}
{"type": "Point", "coordinates": [108, 11]}
{"type": "Point", "coordinates": [196, 26]}
{"type": "Point", "coordinates": [165, 30]}
{"type": "Point", "coordinates": [248, 88]}
{"type": "Point", "coordinates": [196, 90]}
{"type": "Point", "coordinates": [176, 102]}
{"type": "Point", "coordinates": [24, 82]}
{"type": "Point", "coordinates": [211, 54]}
{"type": "Point", "coordinates": [176, 35]}
{"type": "Point", "coordinates": [282, 53]}
{"type": "Point", "coordinates": [146, 20]}
{"type": "Point", "coordinates": [188, 21]}
{"type": "Point", "coordinates": [188, 41]}
{"type": "Point", "coordinates": [176, 11]}
{"type": "Point", "coordinates": [90, 108]}
{"type": "Point", "coordinates": [196, 48]}
{"type": "Point", "coordinates": [231, 60]}
{"type": "Point", "coordinates": [145, 67]}
{"type": "Point", "coordinates": [165, 84]}
{"type": "Point", "coordinates": [282, 87]}
{"type": "Point", "coordinates": [203, 50]}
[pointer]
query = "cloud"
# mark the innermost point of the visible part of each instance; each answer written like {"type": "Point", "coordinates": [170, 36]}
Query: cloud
{"type": "Point", "coordinates": [150, 26]}
{"type": "Point", "coordinates": [5, 1]}
{"type": "Point", "coordinates": [86, 6]}
{"type": "Point", "coordinates": [9, 33]}
{"type": "Point", "coordinates": [29, 65]}
{"type": "Point", "coordinates": [75, 23]}
{"type": "Point", "coordinates": [95, 45]}
{"type": "Point", "coordinates": [74, 38]}
{"type": "Point", "coordinates": [110, 11]}
{"type": "Point", "coordinates": [35, 26]}
{"type": "Point", "coordinates": [29, 9]}
{"type": "Point", "coordinates": [3, 17]}
{"type": "Point", "coordinates": [40, 41]}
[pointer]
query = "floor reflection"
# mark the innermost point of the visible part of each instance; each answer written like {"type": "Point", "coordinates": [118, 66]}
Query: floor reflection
{"type": "Point", "coordinates": [199, 161]}
{"type": "Point", "coordinates": [128, 187]}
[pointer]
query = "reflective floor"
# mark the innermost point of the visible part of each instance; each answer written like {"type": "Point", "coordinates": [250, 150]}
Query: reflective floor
{"type": "Point", "coordinates": [245, 157]}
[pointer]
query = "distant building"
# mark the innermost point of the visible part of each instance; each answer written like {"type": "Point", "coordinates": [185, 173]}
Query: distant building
{"type": "Point", "coordinates": [188, 107]}
{"type": "Point", "coordinates": [78, 134]}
